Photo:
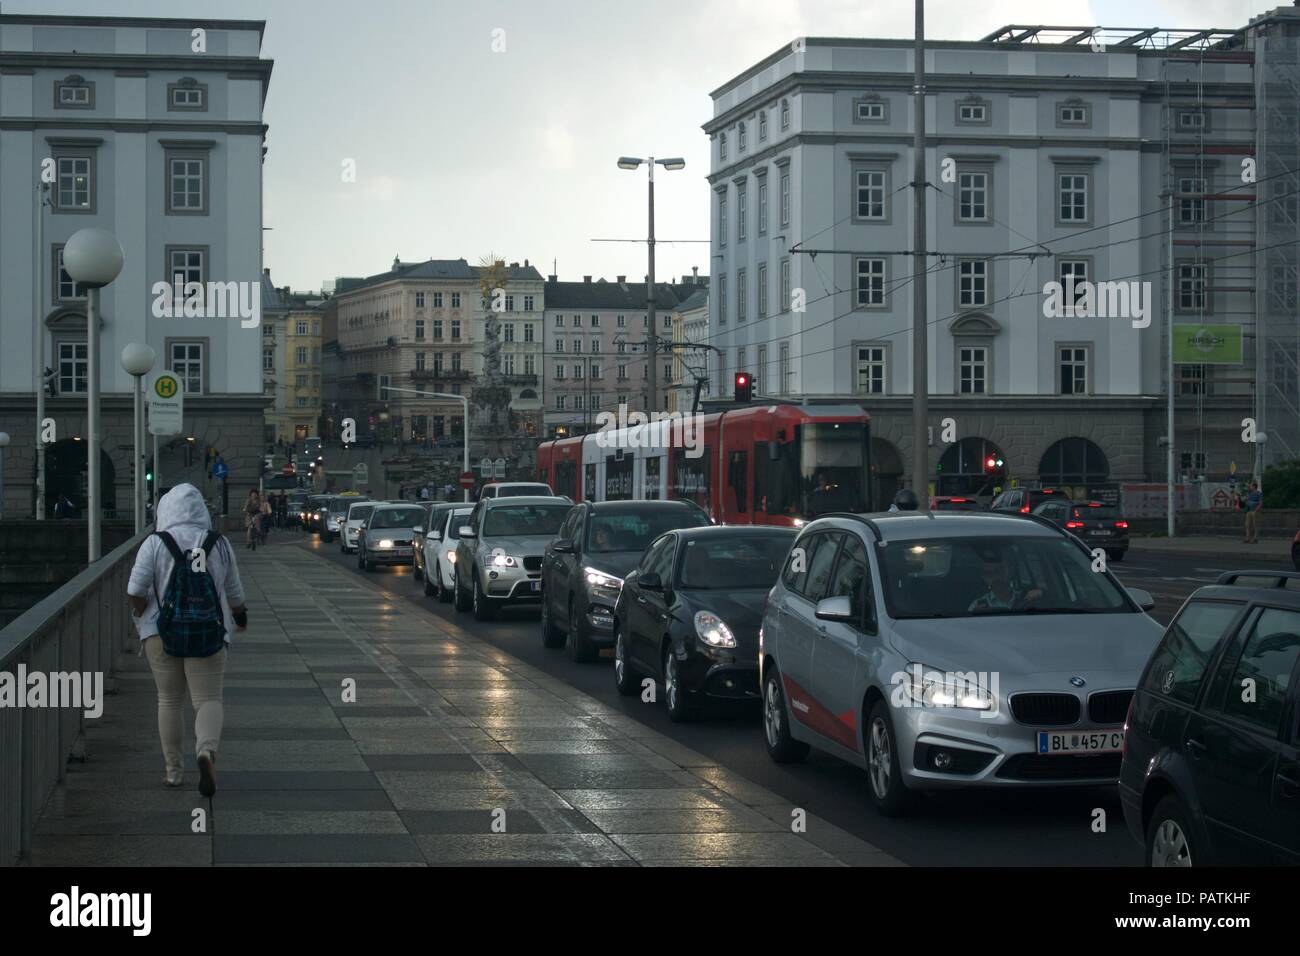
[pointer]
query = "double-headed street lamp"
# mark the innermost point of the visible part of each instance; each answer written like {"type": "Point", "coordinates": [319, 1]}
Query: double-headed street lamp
{"type": "Point", "coordinates": [93, 258]}
{"type": "Point", "coordinates": [138, 360]}
{"type": "Point", "coordinates": [632, 162]}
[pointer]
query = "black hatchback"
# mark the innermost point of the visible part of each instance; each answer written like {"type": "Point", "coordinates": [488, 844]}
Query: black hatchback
{"type": "Point", "coordinates": [1211, 766]}
{"type": "Point", "coordinates": [1096, 524]}
{"type": "Point", "coordinates": [689, 614]}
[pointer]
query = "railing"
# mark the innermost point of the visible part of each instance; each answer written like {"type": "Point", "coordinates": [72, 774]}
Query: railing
{"type": "Point", "coordinates": [80, 628]}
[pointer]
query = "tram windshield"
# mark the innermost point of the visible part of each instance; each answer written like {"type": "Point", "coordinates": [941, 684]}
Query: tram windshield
{"type": "Point", "coordinates": [825, 469]}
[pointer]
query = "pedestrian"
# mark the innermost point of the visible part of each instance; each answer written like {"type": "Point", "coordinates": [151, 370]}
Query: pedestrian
{"type": "Point", "coordinates": [1254, 505]}
{"type": "Point", "coordinates": [424, 492]}
{"type": "Point", "coordinates": [252, 507]}
{"type": "Point", "coordinates": [264, 517]}
{"type": "Point", "coordinates": [166, 589]}
{"type": "Point", "coordinates": [64, 508]}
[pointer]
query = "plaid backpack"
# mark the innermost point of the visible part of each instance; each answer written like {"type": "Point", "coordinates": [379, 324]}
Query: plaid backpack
{"type": "Point", "coordinates": [190, 620]}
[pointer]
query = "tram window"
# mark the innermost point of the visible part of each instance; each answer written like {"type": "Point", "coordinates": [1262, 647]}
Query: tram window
{"type": "Point", "coordinates": [738, 478]}
{"type": "Point", "coordinates": [566, 478]}
{"type": "Point", "coordinates": [761, 466]}
{"type": "Point", "coordinates": [691, 477]}
{"type": "Point", "coordinates": [589, 483]}
{"type": "Point", "coordinates": [782, 481]}
{"type": "Point", "coordinates": [652, 478]}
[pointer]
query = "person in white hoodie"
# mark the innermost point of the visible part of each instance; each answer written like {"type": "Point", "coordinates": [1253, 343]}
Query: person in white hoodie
{"type": "Point", "coordinates": [183, 514]}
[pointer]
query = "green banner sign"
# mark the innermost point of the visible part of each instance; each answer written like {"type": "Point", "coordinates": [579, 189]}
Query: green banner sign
{"type": "Point", "coordinates": [1207, 344]}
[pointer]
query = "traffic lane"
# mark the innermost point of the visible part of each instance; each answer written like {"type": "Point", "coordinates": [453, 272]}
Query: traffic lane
{"type": "Point", "coordinates": [1006, 828]}
{"type": "Point", "coordinates": [1171, 577]}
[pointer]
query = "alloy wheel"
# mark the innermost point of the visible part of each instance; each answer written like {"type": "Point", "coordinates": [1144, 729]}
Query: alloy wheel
{"type": "Point", "coordinates": [620, 667]}
{"type": "Point", "coordinates": [671, 689]}
{"type": "Point", "coordinates": [1169, 846]}
{"type": "Point", "coordinates": [772, 714]}
{"type": "Point", "coordinates": [879, 758]}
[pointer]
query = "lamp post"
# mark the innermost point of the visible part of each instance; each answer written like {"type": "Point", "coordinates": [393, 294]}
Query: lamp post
{"type": "Point", "coordinates": [4, 443]}
{"type": "Point", "coordinates": [632, 162]}
{"type": "Point", "coordinates": [38, 344]}
{"type": "Point", "coordinates": [137, 360]}
{"type": "Point", "coordinates": [464, 401]}
{"type": "Point", "coordinates": [93, 258]}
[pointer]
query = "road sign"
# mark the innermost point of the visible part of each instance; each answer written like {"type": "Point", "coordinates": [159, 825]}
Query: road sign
{"type": "Point", "coordinates": [467, 479]}
{"type": "Point", "coordinates": [287, 470]}
{"type": "Point", "coordinates": [166, 405]}
{"type": "Point", "coordinates": [500, 470]}
{"type": "Point", "coordinates": [360, 473]}
{"type": "Point", "coordinates": [220, 469]}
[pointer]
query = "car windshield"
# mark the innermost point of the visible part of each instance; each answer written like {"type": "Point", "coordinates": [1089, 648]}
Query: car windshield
{"type": "Point", "coordinates": [1096, 513]}
{"type": "Point", "coordinates": [524, 520]}
{"type": "Point", "coordinates": [735, 562]}
{"type": "Point", "coordinates": [360, 512]}
{"type": "Point", "coordinates": [396, 518]}
{"type": "Point", "coordinates": [976, 576]}
{"type": "Point", "coordinates": [519, 491]}
{"type": "Point", "coordinates": [633, 531]}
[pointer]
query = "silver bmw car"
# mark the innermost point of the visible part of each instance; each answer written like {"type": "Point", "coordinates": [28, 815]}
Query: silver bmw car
{"type": "Point", "coordinates": [500, 551]}
{"type": "Point", "coordinates": [951, 650]}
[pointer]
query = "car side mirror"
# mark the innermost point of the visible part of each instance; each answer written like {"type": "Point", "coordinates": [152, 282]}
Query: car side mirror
{"type": "Point", "coordinates": [1142, 598]}
{"type": "Point", "coordinates": [435, 535]}
{"type": "Point", "coordinates": [467, 532]}
{"type": "Point", "coordinates": [838, 608]}
{"type": "Point", "coordinates": [651, 581]}
{"type": "Point", "coordinates": [564, 546]}
{"type": "Point", "coordinates": [418, 530]}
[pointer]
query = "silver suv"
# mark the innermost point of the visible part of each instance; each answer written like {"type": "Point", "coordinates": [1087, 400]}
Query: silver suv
{"type": "Point", "coordinates": [951, 649]}
{"type": "Point", "coordinates": [499, 555]}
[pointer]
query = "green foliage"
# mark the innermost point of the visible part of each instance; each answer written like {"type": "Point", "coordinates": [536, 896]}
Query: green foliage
{"type": "Point", "coordinates": [1282, 485]}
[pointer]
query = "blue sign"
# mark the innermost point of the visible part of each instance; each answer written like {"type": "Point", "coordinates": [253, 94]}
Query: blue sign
{"type": "Point", "coordinates": [219, 470]}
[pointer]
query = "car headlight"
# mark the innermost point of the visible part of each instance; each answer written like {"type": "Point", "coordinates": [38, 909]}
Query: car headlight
{"type": "Point", "coordinates": [451, 557]}
{"type": "Point", "coordinates": [386, 542]}
{"type": "Point", "coordinates": [503, 561]}
{"type": "Point", "coordinates": [928, 687]}
{"type": "Point", "coordinates": [712, 630]}
{"type": "Point", "coordinates": [603, 581]}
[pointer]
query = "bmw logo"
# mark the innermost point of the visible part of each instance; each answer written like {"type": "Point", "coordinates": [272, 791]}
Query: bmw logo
{"type": "Point", "coordinates": [1077, 681]}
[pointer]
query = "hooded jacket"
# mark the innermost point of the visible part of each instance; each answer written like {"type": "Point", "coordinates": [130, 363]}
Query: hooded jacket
{"type": "Point", "coordinates": [183, 514]}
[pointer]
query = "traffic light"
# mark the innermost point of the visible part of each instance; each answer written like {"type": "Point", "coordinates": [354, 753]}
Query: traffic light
{"type": "Point", "coordinates": [744, 387]}
{"type": "Point", "coordinates": [993, 463]}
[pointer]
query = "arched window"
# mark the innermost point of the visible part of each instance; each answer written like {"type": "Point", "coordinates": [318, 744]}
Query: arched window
{"type": "Point", "coordinates": [1073, 461]}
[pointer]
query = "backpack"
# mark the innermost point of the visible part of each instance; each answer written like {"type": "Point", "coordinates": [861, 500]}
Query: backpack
{"type": "Point", "coordinates": [191, 622]}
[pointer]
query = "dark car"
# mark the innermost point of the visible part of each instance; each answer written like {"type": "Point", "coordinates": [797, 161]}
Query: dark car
{"type": "Point", "coordinates": [317, 509]}
{"type": "Point", "coordinates": [1095, 524]}
{"type": "Point", "coordinates": [1211, 767]}
{"type": "Point", "coordinates": [954, 503]}
{"type": "Point", "coordinates": [1025, 500]}
{"type": "Point", "coordinates": [584, 567]}
{"type": "Point", "coordinates": [689, 614]}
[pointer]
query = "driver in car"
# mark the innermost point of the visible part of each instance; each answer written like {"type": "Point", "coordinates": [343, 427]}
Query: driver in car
{"type": "Point", "coordinates": [1003, 592]}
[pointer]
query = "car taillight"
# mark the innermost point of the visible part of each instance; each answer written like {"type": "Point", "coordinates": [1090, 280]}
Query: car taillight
{"type": "Point", "coordinates": [1121, 524]}
{"type": "Point", "coordinates": [1128, 719]}
{"type": "Point", "coordinates": [1025, 510]}
{"type": "Point", "coordinates": [1074, 524]}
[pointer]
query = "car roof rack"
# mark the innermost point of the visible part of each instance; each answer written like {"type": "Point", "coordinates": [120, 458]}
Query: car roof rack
{"type": "Point", "coordinates": [1279, 578]}
{"type": "Point", "coordinates": [856, 517]}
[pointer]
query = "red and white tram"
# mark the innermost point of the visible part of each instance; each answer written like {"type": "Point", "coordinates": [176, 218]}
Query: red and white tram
{"type": "Point", "coordinates": [756, 464]}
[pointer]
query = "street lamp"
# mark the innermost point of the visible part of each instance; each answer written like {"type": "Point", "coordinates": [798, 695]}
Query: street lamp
{"type": "Point", "coordinates": [93, 258]}
{"type": "Point", "coordinates": [4, 443]}
{"type": "Point", "coordinates": [632, 162]}
{"type": "Point", "coordinates": [464, 401]}
{"type": "Point", "coordinates": [138, 359]}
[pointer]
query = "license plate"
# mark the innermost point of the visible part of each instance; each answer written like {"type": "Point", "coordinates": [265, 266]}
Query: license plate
{"type": "Point", "coordinates": [1100, 533]}
{"type": "Point", "coordinates": [535, 585]}
{"type": "Point", "coordinates": [1080, 742]}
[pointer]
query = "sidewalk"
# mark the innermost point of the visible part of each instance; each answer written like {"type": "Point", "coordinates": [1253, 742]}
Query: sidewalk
{"type": "Point", "coordinates": [447, 734]}
{"type": "Point", "coordinates": [1218, 546]}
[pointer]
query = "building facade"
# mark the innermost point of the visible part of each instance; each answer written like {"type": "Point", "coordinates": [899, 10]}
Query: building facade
{"type": "Point", "coordinates": [1046, 161]}
{"type": "Point", "coordinates": [291, 363]}
{"type": "Point", "coordinates": [151, 129]}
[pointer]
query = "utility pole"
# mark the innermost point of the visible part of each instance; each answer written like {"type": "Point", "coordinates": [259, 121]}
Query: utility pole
{"type": "Point", "coordinates": [652, 332]}
{"type": "Point", "coordinates": [38, 343]}
{"type": "Point", "coordinates": [1169, 366]}
{"type": "Point", "coordinates": [920, 325]}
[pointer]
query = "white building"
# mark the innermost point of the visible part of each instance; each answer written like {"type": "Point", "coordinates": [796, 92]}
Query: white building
{"type": "Point", "coordinates": [152, 129]}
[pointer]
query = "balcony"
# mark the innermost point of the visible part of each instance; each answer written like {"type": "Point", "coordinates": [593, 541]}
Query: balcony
{"type": "Point", "coordinates": [521, 379]}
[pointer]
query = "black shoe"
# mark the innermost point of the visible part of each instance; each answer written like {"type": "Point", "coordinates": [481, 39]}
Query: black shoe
{"type": "Point", "coordinates": [207, 774]}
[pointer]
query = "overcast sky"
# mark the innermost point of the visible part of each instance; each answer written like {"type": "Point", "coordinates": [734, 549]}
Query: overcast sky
{"type": "Point", "coordinates": [461, 151]}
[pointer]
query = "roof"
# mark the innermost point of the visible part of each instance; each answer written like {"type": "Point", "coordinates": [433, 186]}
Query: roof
{"type": "Point", "coordinates": [917, 526]}
{"type": "Point", "coordinates": [446, 270]}
{"type": "Point", "coordinates": [525, 500]}
{"type": "Point", "coordinates": [699, 299]}
{"type": "Point", "coordinates": [177, 23]}
{"type": "Point", "coordinates": [730, 530]}
{"type": "Point", "coordinates": [601, 294]}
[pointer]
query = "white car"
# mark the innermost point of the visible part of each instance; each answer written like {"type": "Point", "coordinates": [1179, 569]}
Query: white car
{"type": "Point", "coordinates": [440, 541]}
{"type": "Point", "coordinates": [352, 524]}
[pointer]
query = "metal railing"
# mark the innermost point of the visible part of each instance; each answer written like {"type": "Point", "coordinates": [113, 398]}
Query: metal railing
{"type": "Point", "coordinates": [81, 627]}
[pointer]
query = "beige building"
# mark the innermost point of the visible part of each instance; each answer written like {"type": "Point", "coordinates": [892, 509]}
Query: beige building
{"type": "Point", "coordinates": [291, 362]}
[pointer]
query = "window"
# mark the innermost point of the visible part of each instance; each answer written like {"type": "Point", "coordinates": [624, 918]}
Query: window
{"type": "Point", "coordinates": [301, 327]}
{"type": "Point", "coordinates": [973, 111]}
{"type": "Point", "coordinates": [74, 93]}
{"type": "Point", "coordinates": [559, 344]}
{"type": "Point", "coordinates": [419, 330]}
{"type": "Point", "coordinates": [1266, 665]}
{"type": "Point", "coordinates": [577, 346]}
{"type": "Point", "coordinates": [187, 184]}
{"type": "Point", "coordinates": [437, 328]}
{"type": "Point", "coordinates": [268, 360]}
{"type": "Point", "coordinates": [972, 283]}
{"type": "Point", "coordinates": [455, 361]}
{"type": "Point", "coordinates": [785, 114]}
{"type": "Point", "coordinates": [1073, 112]}
{"type": "Point", "coordinates": [762, 125]}
{"type": "Point", "coordinates": [530, 365]}
{"type": "Point", "coordinates": [870, 110]}
{"type": "Point", "coordinates": [74, 366]}
{"type": "Point", "coordinates": [455, 330]}
{"type": "Point", "coordinates": [785, 284]}
{"type": "Point", "coordinates": [1179, 662]}
{"type": "Point", "coordinates": [972, 197]}
{"type": "Point", "coordinates": [1076, 271]}
{"type": "Point", "coordinates": [268, 330]}
{"type": "Point", "coordinates": [762, 206]}
{"type": "Point", "coordinates": [742, 209]}
{"type": "Point", "coordinates": [559, 402]}
{"type": "Point", "coordinates": [300, 381]}
{"type": "Point", "coordinates": [74, 185]}
{"type": "Point", "coordinates": [622, 372]}
{"type": "Point", "coordinates": [722, 219]}
{"type": "Point", "coordinates": [187, 95]}
{"type": "Point", "coordinates": [742, 138]}
{"type": "Point", "coordinates": [1191, 200]}
{"type": "Point", "coordinates": [437, 300]}
{"type": "Point", "coordinates": [1072, 195]}
{"type": "Point", "coordinates": [455, 300]}
{"type": "Point", "coordinates": [300, 354]}
{"type": "Point", "coordinates": [762, 289]}
{"type": "Point", "coordinates": [528, 303]}
{"type": "Point", "coordinates": [1192, 282]}
{"type": "Point", "coordinates": [529, 332]}
{"type": "Point", "coordinates": [595, 344]}
{"type": "Point", "coordinates": [595, 321]}
{"type": "Point", "coordinates": [185, 266]}
{"type": "Point", "coordinates": [870, 283]}
{"type": "Point", "coordinates": [419, 361]}
{"type": "Point", "coordinates": [187, 364]}
{"type": "Point", "coordinates": [559, 371]}
{"type": "Point", "coordinates": [783, 386]}
{"type": "Point", "coordinates": [869, 194]}
{"type": "Point", "coordinates": [577, 372]}
{"type": "Point", "coordinates": [1073, 362]}
{"type": "Point", "coordinates": [437, 363]}
{"type": "Point", "coordinates": [1191, 381]}
{"type": "Point", "coordinates": [595, 370]}
{"type": "Point", "coordinates": [510, 303]}
{"type": "Point", "coordinates": [621, 322]}
{"type": "Point", "coordinates": [722, 299]}
{"type": "Point", "coordinates": [871, 370]}
{"type": "Point", "coordinates": [1191, 121]}
{"type": "Point", "coordinates": [508, 331]}
{"type": "Point", "coordinates": [722, 147]}
{"type": "Point", "coordinates": [508, 363]}
{"type": "Point", "coordinates": [65, 290]}
{"type": "Point", "coordinates": [972, 367]}
{"type": "Point", "coordinates": [742, 288]}
{"type": "Point", "coordinates": [419, 300]}
{"type": "Point", "coordinates": [785, 197]}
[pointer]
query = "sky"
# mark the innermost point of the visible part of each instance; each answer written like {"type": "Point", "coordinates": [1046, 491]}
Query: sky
{"type": "Point", "coordinates": [493, 126]}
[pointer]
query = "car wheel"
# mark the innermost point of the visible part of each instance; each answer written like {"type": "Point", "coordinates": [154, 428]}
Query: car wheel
{"type": "Point", "coordinates": [679, 711]}
{"type": "Point", "coordinates": [626, 679]}
{"type": "Point", "coordinates": [415, 569]}
{"type": "Point", "coordinates": [360, 560]}
{"type": "Point", "coordinates": [1169, 836]}
{"type": "Point", "coordinates": [484, 609]}
{"type": "Point", "coordinates": [462, 601]}
{"type": "Point", "coordinates": [1115, 555]}
{"type": "Point", "coordinates": [581, 650]}
{"type": "Point", "coordinates": [888, 791]}
{"type": "Point", "coordinates": [552, 636]}
{"type": "Point", "coordinates": [427, 582]}
{"type": "Point", "coordinates": [368, 564]}
{"type": "Point", "coordinates": [781, 747]}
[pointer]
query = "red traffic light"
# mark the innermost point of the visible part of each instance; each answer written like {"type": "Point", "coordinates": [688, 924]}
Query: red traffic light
{"type": "Point", "coordinates": [744, 387]}
{"type": "Point", "coordinates": [990, 463]}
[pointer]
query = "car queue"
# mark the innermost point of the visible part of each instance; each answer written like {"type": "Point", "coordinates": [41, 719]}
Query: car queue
{"type": "Point", "coordinates": [950, 649]}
